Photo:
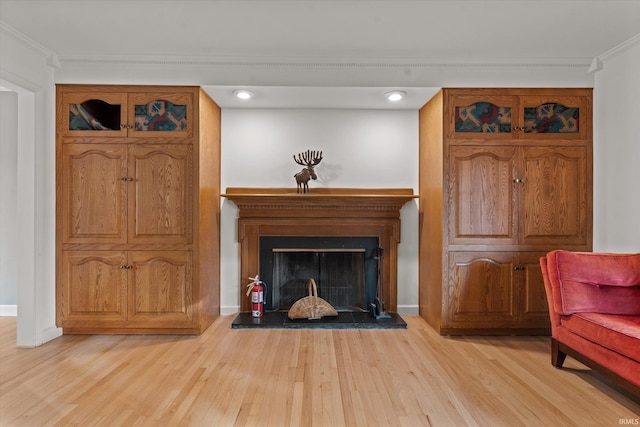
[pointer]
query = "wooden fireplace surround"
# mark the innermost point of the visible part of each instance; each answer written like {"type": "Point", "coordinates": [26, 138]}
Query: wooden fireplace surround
{"type": "Point", "coordinates": [322, 212]}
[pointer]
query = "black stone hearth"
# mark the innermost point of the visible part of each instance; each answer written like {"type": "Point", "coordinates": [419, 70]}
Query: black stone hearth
{"type": "Point", "coordinates": [344, 320]}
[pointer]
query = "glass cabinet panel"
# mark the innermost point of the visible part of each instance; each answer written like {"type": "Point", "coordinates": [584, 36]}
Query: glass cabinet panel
{"type": "Point", "coordinates": [161, 115]}
{"type": "Point", "coordinates": [94, 114]}
{"type": "Point", "coordinates": [552, 117]}
{"type": "Point", "coordinates": [481, 116]}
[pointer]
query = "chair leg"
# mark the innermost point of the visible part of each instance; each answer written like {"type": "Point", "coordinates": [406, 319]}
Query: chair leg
{"type": "Point", "coordinates": [557, 356]}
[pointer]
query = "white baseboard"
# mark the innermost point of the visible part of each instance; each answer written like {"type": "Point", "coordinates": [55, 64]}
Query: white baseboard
{"type": "Point", "coordinates": [227, 310]}
{"type": "Point", "coordinates": [408, 310]}
{"type": "Point", "coordinates": [8, 310]}
{"type": "Point", "coordinates": [51, 333]}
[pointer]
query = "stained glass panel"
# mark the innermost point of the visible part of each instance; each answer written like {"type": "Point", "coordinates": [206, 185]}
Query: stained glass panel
{"type": "Point", "coordinates": [552, 118]}
{"type": "Point", "coordinates": [483, 117]}
{"type": "Point", "coordinates": [160, 115]}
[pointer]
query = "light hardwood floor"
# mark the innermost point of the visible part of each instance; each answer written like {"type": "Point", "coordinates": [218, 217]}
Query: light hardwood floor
{"type": "Point", "coordinates": [228, 377]}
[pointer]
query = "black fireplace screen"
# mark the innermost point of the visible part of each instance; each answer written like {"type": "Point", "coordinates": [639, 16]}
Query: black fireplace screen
{"type": "Point", "coordinates": [345, 269]}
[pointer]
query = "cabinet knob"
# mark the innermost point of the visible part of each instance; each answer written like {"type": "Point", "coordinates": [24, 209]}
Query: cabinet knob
{"type": "Point", "coordinates": [126, 178]}
{"type": "Point", "coordinates": [518, 180]}
{"type": "Point", "coordinates": [519, 268]}
{"type": "Point", "coordinates": [126, 267]}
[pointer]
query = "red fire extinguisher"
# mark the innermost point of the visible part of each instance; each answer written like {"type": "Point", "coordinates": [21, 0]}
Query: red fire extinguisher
{"type": "Point", "coordinates": [257, 296]}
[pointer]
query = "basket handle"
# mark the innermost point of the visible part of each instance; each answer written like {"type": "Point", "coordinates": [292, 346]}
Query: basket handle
{"type": "Point", "coordinates": [313, 290]}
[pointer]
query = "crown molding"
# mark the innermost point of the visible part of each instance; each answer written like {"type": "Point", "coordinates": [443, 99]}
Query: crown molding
{"type": "Point", "coordinates": [620, 48]}
{"type": "Point", "coordinates": [319, 63]}
{"type": "Point", "coordinates": [8, 30]}
{"type": "Point", "coordinates": [597, 63]}
{"type": "Point", "coordinates": [614, 51]}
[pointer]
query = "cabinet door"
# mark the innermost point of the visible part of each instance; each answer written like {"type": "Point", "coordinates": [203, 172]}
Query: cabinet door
{"type": "Point", "coordinates": [555, 196]}
{"type": "Point", "coordinates": [480, 290]}
{"type": "Point", "coordinates": [161, 115]}
{"type": "Point", "coordinates": [161, 194]}
{"type": "Point", "coordinates": [533, 306]}
{"type": "Point", "coordinates": [93, 115]}
{"type": "Point", "coordinates": [94, 193]}
{"type": "Point", "coordinates": [92, 287]}
{"type": "Point", "coordinates": [482, 205]}
{"type": "Point", "coordinates": [554, 117]}
{"type": "Point", "coordinates": [480, 116]}
{"type": "Point", "coordinates": [160, 286]}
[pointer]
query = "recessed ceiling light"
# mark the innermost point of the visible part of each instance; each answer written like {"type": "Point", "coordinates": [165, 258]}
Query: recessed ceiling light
{"type": "Point", "coordinates": [243, 93]}
{"type": "Point", "coordinates": [395, 95]}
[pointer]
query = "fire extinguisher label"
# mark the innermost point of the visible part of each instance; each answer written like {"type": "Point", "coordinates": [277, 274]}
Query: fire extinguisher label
{"type": "Point", "coordinates": [256, 297]}
{"type": "Point", "coordinates": [256, 313]}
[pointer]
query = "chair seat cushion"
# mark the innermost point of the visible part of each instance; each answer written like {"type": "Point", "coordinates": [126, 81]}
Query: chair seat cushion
{"type": "Point", "coordinates": [619, 333]}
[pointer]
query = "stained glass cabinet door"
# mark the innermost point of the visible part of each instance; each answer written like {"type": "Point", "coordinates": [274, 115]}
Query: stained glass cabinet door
{"type": "Point", "coordinates": [481, 117]}
{"type": "Point", "coordinates": [93, 114]}
{"type": "Point", "coordinates": [156, 115]}
{"type": "Point", "coordinates": [553, 117]}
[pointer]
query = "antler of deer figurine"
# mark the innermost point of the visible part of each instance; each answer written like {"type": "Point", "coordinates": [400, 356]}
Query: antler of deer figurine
{"type": "Point", "coordinates": [309, 160]}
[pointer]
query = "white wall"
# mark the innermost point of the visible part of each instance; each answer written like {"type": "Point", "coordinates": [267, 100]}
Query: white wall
{"type": "Point", "coordinates": [361, 148]}
{"type": "Point", "coordinates": [617, 151]}
{"type": "Point", "coordinates": [24, 70]}
{"type": "Point", "coordinates": [8, 202]}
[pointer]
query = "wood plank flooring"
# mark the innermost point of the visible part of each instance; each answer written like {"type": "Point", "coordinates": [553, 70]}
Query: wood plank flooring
{"type": "Point", "coordinates": [250, 377]}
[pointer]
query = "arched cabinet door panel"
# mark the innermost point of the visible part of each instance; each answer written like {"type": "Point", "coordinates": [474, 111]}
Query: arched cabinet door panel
{"type": "Point", "coordinates": [482, 195]}
{"type": "Point", "coordinates": [481, 291]}
{"type": "Point", "coordinates": [160, 286]}
{"type": "Point", "coordinates": [94, 287]}
{"type": "Point", "coordinates": [160, 194]}
{"type": "Point", "coordinates": [94, 193]}
{"type": "Point", "coordinates": [554, 196]}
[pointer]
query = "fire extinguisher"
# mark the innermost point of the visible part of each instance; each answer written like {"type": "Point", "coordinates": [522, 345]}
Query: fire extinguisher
{"type": "Point", "coordinates": [257, 296]}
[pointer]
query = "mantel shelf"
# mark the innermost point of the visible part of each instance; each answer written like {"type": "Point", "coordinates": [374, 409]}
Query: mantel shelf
{"type": "Point", "coordinates": [320, 202]}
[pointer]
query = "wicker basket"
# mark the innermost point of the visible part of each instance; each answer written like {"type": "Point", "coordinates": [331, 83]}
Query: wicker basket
{"type": "Point", "coordinates": [311, 307]}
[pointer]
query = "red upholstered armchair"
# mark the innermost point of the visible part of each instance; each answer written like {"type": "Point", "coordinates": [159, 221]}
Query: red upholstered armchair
{"type": "Point", "coordinates": [594, 304]}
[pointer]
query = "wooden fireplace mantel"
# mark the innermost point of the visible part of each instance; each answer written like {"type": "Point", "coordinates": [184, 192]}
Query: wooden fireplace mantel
{"type": "Point", "coordinates": [319, 213]}
{"type": "Point", "coordinates": [320, 202]}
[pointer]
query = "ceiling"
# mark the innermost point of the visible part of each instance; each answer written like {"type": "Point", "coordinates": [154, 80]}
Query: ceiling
{"type": "Point", "coordinates": [321, 32]}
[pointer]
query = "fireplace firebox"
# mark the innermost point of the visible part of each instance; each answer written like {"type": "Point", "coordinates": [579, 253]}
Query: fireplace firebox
{"type": "Point", "coordinates": [345, 269]}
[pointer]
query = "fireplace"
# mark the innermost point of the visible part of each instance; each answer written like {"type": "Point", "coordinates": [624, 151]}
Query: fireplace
{"type": "Point", "coordinates": [319, 230]}
{"type": "Point", "coordinates": [344, 268]}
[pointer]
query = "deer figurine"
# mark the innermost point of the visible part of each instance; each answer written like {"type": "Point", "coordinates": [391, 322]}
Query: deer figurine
{"type": "Point", "coordinates": [309, 160]}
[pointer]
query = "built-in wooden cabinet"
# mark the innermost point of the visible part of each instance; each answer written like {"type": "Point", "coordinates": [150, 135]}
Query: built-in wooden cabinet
{"type": "Point", "coordinates": [138, 190]}
{"type": "Point", "coordinates": [505, 176]}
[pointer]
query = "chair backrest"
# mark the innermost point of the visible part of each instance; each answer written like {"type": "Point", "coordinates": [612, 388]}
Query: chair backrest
{"type": "Point", "coordinates": [592, 282]}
